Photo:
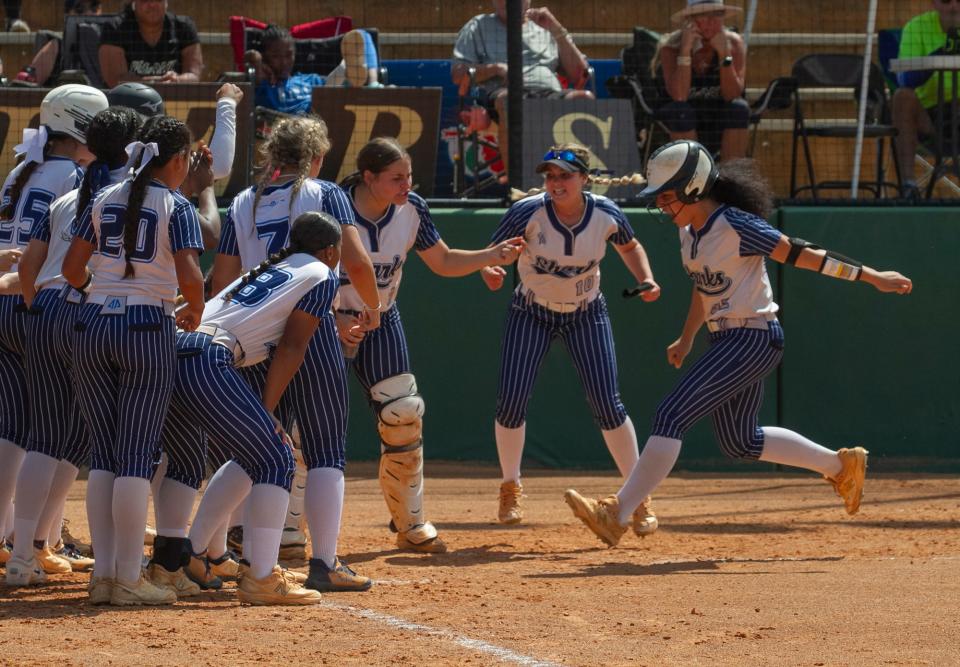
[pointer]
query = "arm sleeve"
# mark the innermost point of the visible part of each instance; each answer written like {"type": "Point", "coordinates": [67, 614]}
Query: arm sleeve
{"type": "Point", "coordinates": [185, 228]}
{"type": "Point", "coordinates": [514, 223]}
{"type": "Point", "coordinates": [223, 144]}
{"type": "Point", "coordinates": [337, 204]}
{"type": "Point", "coordinates": [757, 236]}
{"type": "Point", "coordinates": [427, 233]}
{"type": "Point", "coordinates": [228, 236]}
{"type": "Point", "coordinates": [85, 225]}
{"type": "Point", "coordinates": [319, 300]}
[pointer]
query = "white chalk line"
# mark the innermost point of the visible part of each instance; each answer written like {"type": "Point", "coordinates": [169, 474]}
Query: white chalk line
{"type": "Point", "coordinates": [499, 652]}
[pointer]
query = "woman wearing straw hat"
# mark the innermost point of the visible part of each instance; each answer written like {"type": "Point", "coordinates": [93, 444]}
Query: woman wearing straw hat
{"type": "Point", "coordinates": [703, 68]}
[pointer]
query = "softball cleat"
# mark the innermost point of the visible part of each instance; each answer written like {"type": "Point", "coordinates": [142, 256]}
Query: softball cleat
{"type": "Point", "coordinates": [337, 578]}
{"type": "Point", "coordinates": [275, 589]}
{"type": "Point", "coordinates": [510, 495]}
{"type": "Point", "coordinates": [142, 592]}
{"type": "Point", "coordinates": [644, 520]}
{"type": "Point", "coordinates": [24, 572]}
{"type": "Point", "coordinates": [100, 589]}
{"type": "Point", "coordinates": [849, 483]}
{"type": "Point", "coordinates": [601, 516]}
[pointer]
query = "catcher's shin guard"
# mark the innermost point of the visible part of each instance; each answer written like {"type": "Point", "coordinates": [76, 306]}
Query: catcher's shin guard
{"type": "Point", "coordinates": [401, 479]}
{"type": "Point", "coordinates": [295, 516]}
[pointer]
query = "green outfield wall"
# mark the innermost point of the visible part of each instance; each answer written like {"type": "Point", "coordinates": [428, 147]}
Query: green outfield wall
{"type": "Point", "coordinates": [860, 367]}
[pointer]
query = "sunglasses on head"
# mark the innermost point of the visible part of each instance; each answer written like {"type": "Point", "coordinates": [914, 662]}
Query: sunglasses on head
{"type": "Point", "coordinates": [566, 156]}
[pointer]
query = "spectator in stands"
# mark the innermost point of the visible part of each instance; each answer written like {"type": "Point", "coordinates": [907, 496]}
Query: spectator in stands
{"type": "Point", "coordinates": [279, 88]}
{"type": "Point", "coordinates": [548, 50]}
{"type": "Point", "coordinates": [12, 10]}
{"type": "Point", "coordinates": [701, 70]}
{"type": "Point", "coordinates": [932, 33]}
{"type": "Point", "coordinates": [147, 43]}
{"type": "Point", "coordinates": [45, 65]}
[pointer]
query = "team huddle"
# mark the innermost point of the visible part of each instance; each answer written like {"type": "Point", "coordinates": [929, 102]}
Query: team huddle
{"type": "Point", "coordinates": [113, 355]}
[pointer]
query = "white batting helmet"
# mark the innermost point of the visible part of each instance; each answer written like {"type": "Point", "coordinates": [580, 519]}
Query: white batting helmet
{"type": "Point", "coordinates": [69, 109]}
{"type": "Point", "coordinates": [684, 167]}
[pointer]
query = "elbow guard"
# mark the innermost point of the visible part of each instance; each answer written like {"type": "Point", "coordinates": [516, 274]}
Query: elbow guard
{"type": "Point", "coordinates": [797, 246]}
{"type": "Point", "coordinates": [836, 265]}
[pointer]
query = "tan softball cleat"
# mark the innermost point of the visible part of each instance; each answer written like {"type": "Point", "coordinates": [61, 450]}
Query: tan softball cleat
{"type": "Point", "coordinates": [294, 577]}
{"type": "Point", "coordinates": [644, 520]}
{"type": "Point", "coordinates": [100, 589]}
{"type": "Point", "coordinates": [143, 592]}
{"type": "Point", "coordinates": [601, 516]}
{"type": "Point", "coordinates": [274, 589]}
{"type": "Point", "coordinates": [178, 582]}
{"type": "Point", "coordinates": [849, 483]}
{"type": "Point", "coordinates": [70, 553]}
{"type": "Point", "coordinates": [224, 567]}
{"type": "Point", "coordinates": [5, 554]}
{"type": "Point", "coordinates": [510, 495]}
{"type": "Point", "coordinates": [51, 562]}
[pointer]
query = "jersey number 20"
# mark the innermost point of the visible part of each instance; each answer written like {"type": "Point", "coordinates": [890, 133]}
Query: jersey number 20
{"type": "Point", "coordinates": [112, 222]}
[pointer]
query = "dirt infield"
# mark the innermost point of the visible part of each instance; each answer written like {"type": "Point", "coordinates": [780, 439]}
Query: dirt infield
{"type": "Point", "coordinates": [744, 570]}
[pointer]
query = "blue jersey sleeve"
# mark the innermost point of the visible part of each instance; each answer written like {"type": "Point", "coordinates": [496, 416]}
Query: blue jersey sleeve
{"type": "Point", "coordinates": [757, 236]}
{"type": "Point", "coordinates": [337, 203]}
{"type": "Point", "coordinates": [84, 227]}
{"type": "Point", "coordinates": [228, 236]}
{"type": "Point", "coordinates": [624, 233]}
{"type": "Point", "coordinates": [185, 228]}
{"type": "Point", "coordinates": [319, 300]}
{"type": "Point", "coordinates": [514, 223]}
{"type": "Point", "coordinates": [427, 233]}
{"type": "Point", "coordinates": [41, 228]}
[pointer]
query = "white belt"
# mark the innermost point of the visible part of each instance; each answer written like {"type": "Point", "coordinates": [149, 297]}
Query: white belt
{"type": "Point", "coordinates": [224, 338]}
{"type": "Point", "coordinates": [117, 304]}
{"type": "Point", "coordinates": [726, 323]}
{"type": "Point", "coordinates": [555, 306]}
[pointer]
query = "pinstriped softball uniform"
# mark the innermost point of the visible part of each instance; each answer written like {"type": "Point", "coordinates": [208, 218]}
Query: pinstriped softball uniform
{"type": "Point", "coordinates": [209, 386]}
{"type": "Point", "coordinates": [725, 260]}
{"type": "Point", "coordinates": [124, 364]}
{"type": "Point", "coordinates": [560, 264]}
{"type": "Point", "coordinates": [382, 352]}
{"type": "Point", "coordinates": [53, 178]}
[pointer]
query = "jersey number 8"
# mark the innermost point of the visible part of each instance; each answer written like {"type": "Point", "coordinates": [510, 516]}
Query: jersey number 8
{"type": "Point", "coordinates": [258, 289]}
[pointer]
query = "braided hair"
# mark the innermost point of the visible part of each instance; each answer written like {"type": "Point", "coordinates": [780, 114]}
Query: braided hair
{"type": "Point", "coordinates": [583, 154]}
{"type": "Point", "coordinates": [20, 182]}
{"type": "Point", "coordinates": [296, 142]}
{"type": "Point", "coordinates": [375, 157]}
{"type": "Point", "coordinates": [109, 133]}
{"type": "Point", "coordinates": [311, 232]}
{"type": "Point", "coordinates": [172, 137]}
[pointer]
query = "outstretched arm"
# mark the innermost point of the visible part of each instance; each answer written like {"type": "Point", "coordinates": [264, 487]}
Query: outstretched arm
{"type": "Point", "coordinates": [453, 263]}
{"type": "Point", "coordinates": [805, 255]}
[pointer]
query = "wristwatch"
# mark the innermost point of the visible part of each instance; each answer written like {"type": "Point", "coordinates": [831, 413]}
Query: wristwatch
{"type": "Point", "coordinates": [726, 62]}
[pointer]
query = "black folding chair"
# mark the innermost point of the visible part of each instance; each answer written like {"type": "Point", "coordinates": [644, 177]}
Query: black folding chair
{"type": "Point", "coordinates": [841, 70]}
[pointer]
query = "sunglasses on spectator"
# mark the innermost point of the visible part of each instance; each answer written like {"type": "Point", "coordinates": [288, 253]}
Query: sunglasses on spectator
{"type": "Point", "coordinates": [566, 156]}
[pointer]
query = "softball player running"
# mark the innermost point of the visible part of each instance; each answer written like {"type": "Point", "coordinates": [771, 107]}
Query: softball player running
{"type": "Point", "coordinates": [724, 240]}
{"type": "Point", "coordinates": [278, 305]}
{"type": "Point", "coordinates": [58, 444]}
{"type": "Point", "coordinates": [566, 231]}
{"type": "Point", "coordinates": [392, 221]}
{"type": "Point", "coordinates": [147, 239]}
{"type": "Point", "coordinates": [54, 154]}
{"type": "Point", "coordinates": [257, 225]}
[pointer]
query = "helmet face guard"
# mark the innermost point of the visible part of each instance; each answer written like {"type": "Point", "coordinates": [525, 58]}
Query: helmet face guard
{"type": "Point", "coordinates": [684, 167]}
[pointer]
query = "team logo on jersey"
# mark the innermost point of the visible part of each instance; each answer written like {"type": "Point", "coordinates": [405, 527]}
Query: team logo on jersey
{"type": "Point", "coordinates": [710, 282]}
{"type": "Point", "coordinates": [542, 238]}
{"type": "Point", "coordinates": [385, 272]}
{"type": "Point", "coordinates": [545, 265]}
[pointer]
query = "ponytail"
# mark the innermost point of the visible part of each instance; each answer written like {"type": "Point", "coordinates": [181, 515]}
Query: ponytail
{"type": "Point", "coordinates": [16, 189]}
{"type": "Point", "coordinates": [109, 133]}
{"type": "Point", "coordinates": [592, 179]}
{"type": "Point", "coordinates": [131, 221]}
{"type": "Point", "coordinates": [741, 185]}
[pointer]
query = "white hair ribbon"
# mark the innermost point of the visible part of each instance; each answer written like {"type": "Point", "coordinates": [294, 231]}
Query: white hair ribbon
{"type": "Point", "coordinates": [150, 151]}
{"type": "Point", "coordinates": [33, 144]}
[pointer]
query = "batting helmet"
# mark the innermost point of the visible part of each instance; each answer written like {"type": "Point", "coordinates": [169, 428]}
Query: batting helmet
{"type": "Point", "coordinates": [140, 97]}
{"type": "Point", "coordinates": [684, 167]}
{"type": "Point", "coordinates": [69, 109]}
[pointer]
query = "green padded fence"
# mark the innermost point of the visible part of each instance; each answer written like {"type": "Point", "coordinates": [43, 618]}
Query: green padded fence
{"type": "Point", "coordinates": [860, 367]}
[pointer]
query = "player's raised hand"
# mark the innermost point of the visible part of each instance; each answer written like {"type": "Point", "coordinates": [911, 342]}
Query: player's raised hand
{"type": "Point", "coordinates": [8, 258]}
{"type": "Point", "coordinates": [230, 91]}
{"type": "Point", "coordinates": [493, 277]}
{"type": "Point", "coordinates": [506, 252]}
{"type": "Point", "coordinates": [678, 351]}
{"type": "Point", "coordinates": [888, 281]}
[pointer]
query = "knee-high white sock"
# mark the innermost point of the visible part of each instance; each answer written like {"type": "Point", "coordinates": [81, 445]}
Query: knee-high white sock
{"type": "Point", "coordinates": [622, 443]}
{"type": "Point", "coordinates": [173, 507]}
{"type": "Point", "coordinates": [6, 519]}
{"type": "Point", "coordinates": [33, 485]}
{"type": "Point", "coordinates": [11, 457]}
{"type": "Point", "coordinates": [100, 520]}
{"type": "Point", "coordinates": [267, 508]}
{"type": "Point", "coordinates": [788, 448]}
{"type": "Point", "coordinates": [218, 542]}
{"type": "Point", "coordinates": [510, 449]}
{"type": "Point", "coordinates": [227, 489]}
{"type": "Point", "coordinates": [246, 517]}
{"type": "Point", "coordinates": [656, 461]}
{"type": "Point", "coordinates": [51, 518]}
{"type": "Point", "coordinates": [131, 496]}
{"type": "Point", "coordinates": [323, 506]}
{"type": "Point", "coordinates": [155, 483]}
